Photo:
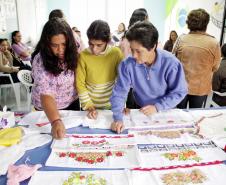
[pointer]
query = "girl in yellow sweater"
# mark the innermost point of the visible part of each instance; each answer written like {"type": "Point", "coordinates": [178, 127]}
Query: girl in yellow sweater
{"type": "Point", "coordinates": [97, 69]}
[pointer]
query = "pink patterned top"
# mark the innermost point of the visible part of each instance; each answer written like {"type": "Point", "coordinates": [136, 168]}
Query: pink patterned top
{"type": "Point", "coordinates": [60, 87]}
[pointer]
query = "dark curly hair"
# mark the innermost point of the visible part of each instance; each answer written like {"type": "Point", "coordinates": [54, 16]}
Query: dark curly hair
{"type": "Point", "coordinates": [99, 30]}
{"type": "Point", "coordinates": [56, 26]}
{"type": "Point", "coordinates": [143, 32]}
{"type": "Point", "coordinates": [198, 20]}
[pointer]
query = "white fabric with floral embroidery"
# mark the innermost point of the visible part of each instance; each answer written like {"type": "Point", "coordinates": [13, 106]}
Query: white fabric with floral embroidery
{"type": "Point", "coordinates": [202, 175]}
{"type": "Point", "coordinates": [164, 155]}
{"type": "Point", "coordinates": [170, 136]}
{"type": "Point", "coordinates": [108, 177]}
{"type": "Point", "coordinates": [94, 141]}
{"type": "Point", "coordinates": [112, 157]}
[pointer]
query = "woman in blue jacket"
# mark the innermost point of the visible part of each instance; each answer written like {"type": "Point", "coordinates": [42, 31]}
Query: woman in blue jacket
{"type": "Point", "coordinates": [156, 76]}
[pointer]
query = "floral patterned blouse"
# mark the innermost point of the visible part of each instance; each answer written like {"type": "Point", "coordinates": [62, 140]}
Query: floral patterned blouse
{"type": "Point", "coordinates": [61, 87]}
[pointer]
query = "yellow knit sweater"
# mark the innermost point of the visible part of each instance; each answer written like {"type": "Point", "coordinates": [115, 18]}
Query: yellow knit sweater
{"type": "Point", "coordinates": [95, 77]}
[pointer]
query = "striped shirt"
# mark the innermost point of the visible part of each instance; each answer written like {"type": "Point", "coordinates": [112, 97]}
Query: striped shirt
{"type": "Point", "coordinates": [95, 77]}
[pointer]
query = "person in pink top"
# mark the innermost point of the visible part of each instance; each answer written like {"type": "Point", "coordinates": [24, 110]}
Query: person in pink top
{"type": "Point", "coordinates": [20, 49]}
{"type": "Point", "coordinates": [53, 64]}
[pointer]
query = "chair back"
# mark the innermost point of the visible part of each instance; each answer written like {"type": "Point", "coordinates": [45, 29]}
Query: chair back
{"type": "Point", "coordinates": [25, 77]}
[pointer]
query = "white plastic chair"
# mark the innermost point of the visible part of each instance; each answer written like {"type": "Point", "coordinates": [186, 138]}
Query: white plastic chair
{"type": "Point", "coordinates": [209, 100]}
{"type": "Point", "coordinates": [15, 86]}
{"type": "Point", "coordinates": [26, 79]}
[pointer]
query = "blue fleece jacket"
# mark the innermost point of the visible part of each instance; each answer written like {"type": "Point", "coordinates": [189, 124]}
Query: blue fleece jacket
{"type": "Point", "coordinates": [162, 84]}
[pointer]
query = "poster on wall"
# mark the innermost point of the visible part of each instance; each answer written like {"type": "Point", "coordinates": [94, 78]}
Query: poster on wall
{"type": "Point", "coordinates": [179, 9]}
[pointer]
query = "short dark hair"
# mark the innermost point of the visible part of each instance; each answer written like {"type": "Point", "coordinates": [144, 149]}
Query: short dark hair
{"type": "Point", "coordinates": [2, 40]}
{"type": "Point", "coordinates": [99, 30]}
{"type": "Point", "coordinates": [140, 9]}
{"type": "Point", "coordinates": [13, 35]}
{"type": "Point", "coordinates": [198, 20]}
{"type": "Point", "coordinates": [56, 13]}
{"type": "Point", "coordinates": [138, 15]}
{"type": "Point", "coordinates": [56, 26]}
{"type": "Point", "coordinates": [223, 50]}
{"type": "Point", "coordinates": [143, 32]}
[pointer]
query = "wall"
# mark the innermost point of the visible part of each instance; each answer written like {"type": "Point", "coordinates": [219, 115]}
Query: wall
{"type": "Point", "coordinates": [8, 18]}
{"type": "Point", "coordinates": [157, 15]}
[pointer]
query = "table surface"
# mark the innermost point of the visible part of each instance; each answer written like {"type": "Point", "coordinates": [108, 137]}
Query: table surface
{"type": "Point", "coordinates": [40, 155]}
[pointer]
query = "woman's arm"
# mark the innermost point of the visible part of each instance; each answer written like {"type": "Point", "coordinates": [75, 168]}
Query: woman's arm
{"type": "Point", "coordinates": [50, 107]}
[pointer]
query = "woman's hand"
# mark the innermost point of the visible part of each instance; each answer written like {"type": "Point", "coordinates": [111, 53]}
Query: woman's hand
{"type": "Point", "coordinates": [15, 69]}
{"type": "Point", "coordinates": [117, 126]}
{"type": "Point", "coordinates": [126, 111]}
{"type": "Point", "coordinates": [148, 110]}
{"type": "Point", "coordinates": [92, 113]}
{"type": "Point", "coordinates": [58, 129]}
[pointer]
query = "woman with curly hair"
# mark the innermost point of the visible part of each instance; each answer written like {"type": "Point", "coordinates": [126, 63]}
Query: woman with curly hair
{"type": "Point", "coordinates": [53, 64]}
{"type": "Point", "coordinates": [200, 54]}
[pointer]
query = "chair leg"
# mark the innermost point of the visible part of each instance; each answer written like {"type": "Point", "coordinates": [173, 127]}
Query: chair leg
{"type": "Point", "coordinates": [16, 89]}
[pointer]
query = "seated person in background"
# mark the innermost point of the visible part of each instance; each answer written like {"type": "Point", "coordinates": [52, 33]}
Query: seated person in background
{"type": "Point", "coordinates": [219, 79]}
{"type": "Point", "coordinates": [6, 63]}
{"type": "Point", "coordinates": [172, 39]}
{"type": "Point", "coordinates": [53, 64]}
{"type": "Point", "coordinates": [118, 34]}
{"type": "Point", "coordinates": [19, 48]}
{"type": "Point", "coordinates": [17, 62]}
{"type": "Point", "coordinates": [97, 69]}
{"type": "Point", "coordinates": [156, 76]}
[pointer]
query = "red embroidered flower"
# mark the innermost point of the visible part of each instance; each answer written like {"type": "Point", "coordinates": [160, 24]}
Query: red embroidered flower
{"type": "Point", "coordinates": [72, 155]}
{"type": "Point", "coordinates": [118, 154]}
{"type": "Point", "coordinates": [79, 158]}
{"type": "Point", "coordinates": [99, 160]}
{"type": "Point", "coordinates": [108, 153]}
{"type": "Point", "coordinates": [91, 161]}
{"type": "Point", "coordinates": [62, 154]}
{"type": "Point", "coordinates": [82, 177]}
{"type": "Point", "coordinates": [94, 143]}
{"type": "Point", "coordinates": [85, 142]}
